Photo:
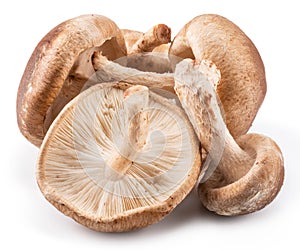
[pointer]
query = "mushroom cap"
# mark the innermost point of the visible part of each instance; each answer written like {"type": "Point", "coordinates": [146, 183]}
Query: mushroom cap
{"type": "Point", "coordinates": [256, 189]}
{"type": "Point", "coordinates": [74, 171]}
{"type": "Point", "coordinates": [243, 85]}
{"type": "Point", "coordinates": [52, 67]}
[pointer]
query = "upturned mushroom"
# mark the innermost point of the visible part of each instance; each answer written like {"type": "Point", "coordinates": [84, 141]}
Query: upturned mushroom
{"type": "Point", "coordinates": [243, 84]}
{"type": "Point", "coordinates": [118, 157]}
{"type": "Point", "coordinates": [249, 171]}
{"type": "Point", "coordinates": [59, 67]}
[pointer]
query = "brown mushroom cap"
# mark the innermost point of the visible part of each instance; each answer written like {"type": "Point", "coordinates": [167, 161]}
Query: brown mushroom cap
{"type": "Point", "coordinates": [243, 84]}
{"type": "Point", "coordinates": [256, 189]}
{"type": "Point", "coordinates": [54, 69]}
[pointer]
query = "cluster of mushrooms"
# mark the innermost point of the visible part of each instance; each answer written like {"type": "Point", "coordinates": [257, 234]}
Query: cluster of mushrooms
{"type": "Point", "coordinates": [129, 122]}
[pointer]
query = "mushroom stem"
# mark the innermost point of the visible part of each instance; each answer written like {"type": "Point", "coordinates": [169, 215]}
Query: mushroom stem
{"type": "Point", "coordinates": [197, 96]}
{"type": "Point", "coordinates": [136, 115]}
{"type": "Point", "coordinates": [108, 71]}
{"type": "Point", "coordinates": [235, 162]}
{"type": "Point", "coordinates": [157, 35]}
{"type": "Point", "coordinates": [119, 164]}
{"type": "Point", "coordinates": [136, 101]}
{"type": "Point", "coordinates": [156, 60]}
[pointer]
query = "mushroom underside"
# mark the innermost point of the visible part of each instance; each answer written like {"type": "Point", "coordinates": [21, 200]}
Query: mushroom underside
{"type": "Point", "coordinates": [88, 169]}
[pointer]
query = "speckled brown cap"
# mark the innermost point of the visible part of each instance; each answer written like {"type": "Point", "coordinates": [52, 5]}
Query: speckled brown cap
{"type": "Point", "coordinates": [243, 84]}
{"type": "Point", "coordinates": [57, 62]}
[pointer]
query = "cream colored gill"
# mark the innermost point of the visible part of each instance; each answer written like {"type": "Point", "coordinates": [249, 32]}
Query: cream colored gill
{"type": "Point", "coordinates": [89, 134]}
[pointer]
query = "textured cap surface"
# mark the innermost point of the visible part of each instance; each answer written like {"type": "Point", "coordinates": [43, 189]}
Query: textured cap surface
{"type": "Point", "coordinates": [50, 65]}
{"type": "Point", "coordinates": [243, 85]}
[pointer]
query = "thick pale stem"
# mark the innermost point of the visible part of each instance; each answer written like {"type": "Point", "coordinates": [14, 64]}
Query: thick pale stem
{"type": "Point", "coordinates": [150, 62]}
{"type": "Point", "coordinates": [199, 99]}
{"type": "Point", "coordinates": [157, 35]}
{"type": "Point", "coordinates": [235, 162]}
{"type": "Point", "coordinates": [108, 71]}
{"type": "Point", "coordinates": [157, 60]}
{"type": "Point", "coordinates": [136, 101]}
{"type": "Point", "coordinates": [120, 164]}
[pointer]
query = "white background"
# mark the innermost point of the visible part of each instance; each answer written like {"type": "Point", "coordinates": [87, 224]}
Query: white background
{"type": "Point", "coordinates": [28, 221]}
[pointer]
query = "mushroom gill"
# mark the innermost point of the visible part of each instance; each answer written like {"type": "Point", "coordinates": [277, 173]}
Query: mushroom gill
{"type": "Point", "coordinates": [91, 169]}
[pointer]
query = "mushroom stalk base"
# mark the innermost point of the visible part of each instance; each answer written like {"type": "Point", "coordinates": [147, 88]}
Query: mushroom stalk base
{"type": "Point", "coordinates": [120, 164]}
{"type": "Point", "coordinates": [235, 162]}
